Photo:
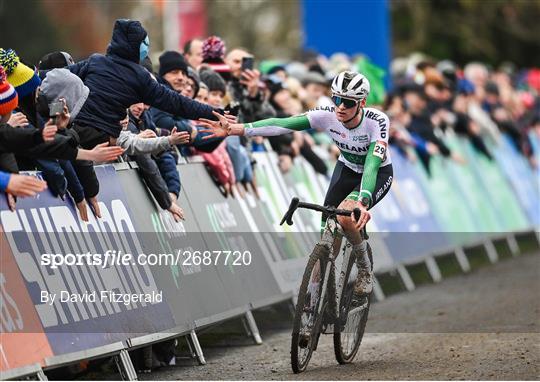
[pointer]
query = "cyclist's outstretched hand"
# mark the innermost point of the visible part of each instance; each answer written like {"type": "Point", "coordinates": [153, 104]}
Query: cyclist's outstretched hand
{"type": "Point", "coordinates": [221, 128]}
{"type": "Point", "coordinates": [365, 216]}
{"type": "Point", "coordinates": [216, 129]}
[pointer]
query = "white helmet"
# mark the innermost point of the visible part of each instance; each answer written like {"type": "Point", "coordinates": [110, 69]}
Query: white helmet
{"type": "Point", "coordinates": [350, 85]}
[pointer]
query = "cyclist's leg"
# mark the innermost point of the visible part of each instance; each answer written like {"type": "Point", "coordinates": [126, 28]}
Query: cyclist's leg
{"type": "Point", "coordinates": [364, 281]}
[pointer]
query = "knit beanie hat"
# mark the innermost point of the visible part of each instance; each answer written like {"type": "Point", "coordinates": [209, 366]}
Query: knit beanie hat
{"type": "Point", "coordinates": [61, 83]}
{"type": "Point", "coordinates": [24, 79]}
{"type": "Point", "coordinates": [213, 80]}
{"type": "Point", "coordinates": [171, 60]}
{"type": "Point", "coordinates": [8, 96]}
{"type": "Point", "coordinates": [192, 73]}
{"type": "Point", "coordinates": [213, 51]}
{"type": "Point", "coordinates": [55, 60]}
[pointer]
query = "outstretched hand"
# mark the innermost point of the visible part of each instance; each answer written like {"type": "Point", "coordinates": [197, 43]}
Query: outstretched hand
{"type": "Point", "coordinates": [25, 185]}
{"type": "Point", "coordinates": [216, 129]}
{"type": "Point", "coordinates": [105, 153]}
{"type": "Point", "coordinates": [178, 137]}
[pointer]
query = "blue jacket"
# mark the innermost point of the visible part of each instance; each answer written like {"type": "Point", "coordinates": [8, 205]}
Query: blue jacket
{"type": "Point", "coordinates": [116, 81]}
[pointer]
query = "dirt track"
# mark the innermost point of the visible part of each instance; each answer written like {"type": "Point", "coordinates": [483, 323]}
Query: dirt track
{"type": "Point", "coordinates": [485, 325]}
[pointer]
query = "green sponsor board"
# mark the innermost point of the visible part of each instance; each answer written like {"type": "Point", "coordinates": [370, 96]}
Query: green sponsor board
{"type": "Point", "coordinates": [275, 198]}
{"type": "Point", "coordinates": [302, 182]}
{"type": "Point", "coordinates": [473, 190]}
{"type": "Point", "coordinates": [449, 207]}
{"type": "Point", "coordinates": [502, 199]}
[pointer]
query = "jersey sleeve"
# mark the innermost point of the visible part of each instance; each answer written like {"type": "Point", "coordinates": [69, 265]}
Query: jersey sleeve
{"type": "Point", "coordinates": [375, 156]}
{"type": "Point", "coordinates": [277, 126]}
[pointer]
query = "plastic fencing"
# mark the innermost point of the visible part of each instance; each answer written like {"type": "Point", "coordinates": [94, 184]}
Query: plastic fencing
{"type": "Point", "coordinates": [423, 214]}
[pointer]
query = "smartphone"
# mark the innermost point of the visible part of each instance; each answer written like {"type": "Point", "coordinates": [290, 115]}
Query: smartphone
{"type": "Point", "coordinates": [233, 108]}
{"type": "Point", "coordinates": [56, 108]}
{"type": "Point", "coordinates": [247, 63]}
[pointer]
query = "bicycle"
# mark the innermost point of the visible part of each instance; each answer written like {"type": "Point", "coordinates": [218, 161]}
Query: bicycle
{"type": "Point", "coordinates": [320, 309]}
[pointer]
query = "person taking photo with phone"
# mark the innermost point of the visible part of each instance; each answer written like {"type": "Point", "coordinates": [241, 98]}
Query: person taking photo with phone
{"type": "Point", "coordinates": [244, 87]}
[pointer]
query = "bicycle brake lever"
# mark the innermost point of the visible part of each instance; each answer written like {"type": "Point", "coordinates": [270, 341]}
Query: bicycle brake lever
{"type": "Point", "coordinates": [290, 212]}
{"type": "Point", "coordinates": [286, 218]}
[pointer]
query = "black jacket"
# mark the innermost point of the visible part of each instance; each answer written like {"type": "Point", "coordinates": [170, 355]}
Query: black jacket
{"type": "Point", "coordinates": [117, 81]}
{"type": "Point", "coordinates": [29, 141]}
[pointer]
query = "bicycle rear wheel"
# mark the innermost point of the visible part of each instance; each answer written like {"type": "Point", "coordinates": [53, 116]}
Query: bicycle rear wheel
{"type": "Point", "coordinates": [351, 322]}
{"type": "Point", "coordinates": [307, 320]}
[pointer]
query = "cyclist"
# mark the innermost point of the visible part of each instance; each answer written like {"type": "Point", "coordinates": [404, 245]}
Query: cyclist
{"type": "Point", "coordinates": [363, 173]}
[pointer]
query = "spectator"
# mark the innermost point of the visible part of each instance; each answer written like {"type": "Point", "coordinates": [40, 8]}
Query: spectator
{"type": "Point", "coordinates": [290, 145]}
{"type": "Point", "coordinates": [316, 88]}
{"type": "Point", "coordinates": [32, 142]}
{"type": "Point", "coordinates": [116, 81]}
{"type": "Point", "coordinates": [244, 89]}
{"type": "Point", "coordinates": [14, 184]}
{"type": "Point", "coordinates": [193, 53]}
{"type": "Point", "coordinates": [158, 170]}
{"type": "Point", "coordinates": [218, 161]}
{"type": "Point", "coordinates": [173, 73]}
{"type": "Point", "coordinates": [421, 127]}
{"type": "Point", "coordinates": [213, 52]}
{"type": "Point", "coordinates": [61, 175]}
{"type": "Point", "coordinates": [62, 85]}
{"type": "Point", "coordinates": [191, 85]}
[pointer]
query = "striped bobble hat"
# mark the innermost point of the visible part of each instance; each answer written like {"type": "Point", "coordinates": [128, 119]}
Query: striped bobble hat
{"type": "Point", "coordinates": [8, 96]}
{"type": "Point", "coordinates": [23, 78]}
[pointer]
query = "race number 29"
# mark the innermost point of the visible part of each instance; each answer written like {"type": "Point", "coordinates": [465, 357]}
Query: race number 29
{"type": "Point", "coordinates": [380, 150]}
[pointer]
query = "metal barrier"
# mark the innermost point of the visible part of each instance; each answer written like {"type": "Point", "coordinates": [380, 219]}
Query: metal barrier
{"type": "Point", "coordinates": [39, 335]}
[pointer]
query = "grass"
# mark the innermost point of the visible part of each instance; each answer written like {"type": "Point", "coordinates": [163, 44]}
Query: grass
{"type": "Point", "coordinates": [448, 265]}
{"type": "Point", "coordinates": [419, 273]}
{"type": "Point", "coordinates": [390, 283]}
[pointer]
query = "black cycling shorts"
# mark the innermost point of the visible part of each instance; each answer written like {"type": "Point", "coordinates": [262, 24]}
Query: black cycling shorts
{"type": "Point", "coordinates": [344, 181]}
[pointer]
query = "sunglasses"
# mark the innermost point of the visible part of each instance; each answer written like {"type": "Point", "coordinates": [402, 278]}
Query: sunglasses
{"type": "Point", "coordinates": [337, 100]}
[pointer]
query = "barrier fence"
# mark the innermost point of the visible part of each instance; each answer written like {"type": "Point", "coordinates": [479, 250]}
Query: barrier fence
{"type": "Point", "coordinates": [423, 214]}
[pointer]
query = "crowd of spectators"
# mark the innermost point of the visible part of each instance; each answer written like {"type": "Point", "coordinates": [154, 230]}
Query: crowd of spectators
{"type": "Point", "coordinates": [62, 117]}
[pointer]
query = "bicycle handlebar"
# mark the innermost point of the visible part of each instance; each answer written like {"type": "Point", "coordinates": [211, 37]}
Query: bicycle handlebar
{"type": "Point", "coordinates": [296, 203]}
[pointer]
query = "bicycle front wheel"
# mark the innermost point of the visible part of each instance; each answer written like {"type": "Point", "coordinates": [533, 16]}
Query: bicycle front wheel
{"type": "Point", "coordinates": [351, 322]}
{"type": "Point", "coordinates": [308, 313]}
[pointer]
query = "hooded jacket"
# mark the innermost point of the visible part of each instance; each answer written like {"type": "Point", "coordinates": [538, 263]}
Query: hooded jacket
{"type": "Point", "coordinates": [116, 81]}
{"type": "Point", "coordinates": [61, 83]}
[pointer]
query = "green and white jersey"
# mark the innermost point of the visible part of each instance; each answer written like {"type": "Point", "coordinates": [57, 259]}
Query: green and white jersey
{"type": "Point", "coordinates": [353, 143]}
{"type": "Point", "coordinates": [364, 148]}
